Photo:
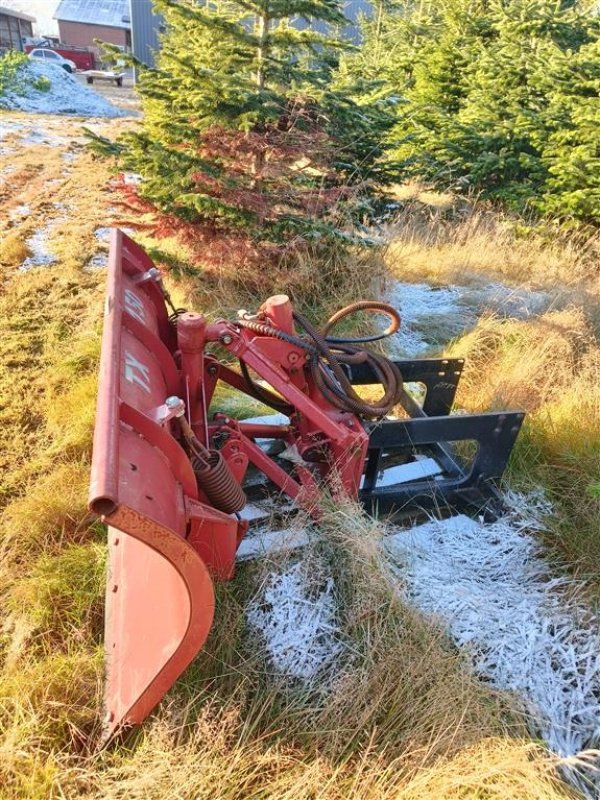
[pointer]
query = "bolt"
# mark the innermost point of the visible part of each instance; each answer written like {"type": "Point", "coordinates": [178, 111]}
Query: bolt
{"type": "Point", "coordinates": [212, 370]}
{"type": "Point", "coordinates": [176, 405]}
{"type": "Point", "coordinates": [226, 338]}
{"type": "Point", "coordinates": [292, 358]}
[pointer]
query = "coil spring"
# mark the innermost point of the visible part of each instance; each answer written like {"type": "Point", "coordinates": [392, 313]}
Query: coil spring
{"type": "Point", "coordinates": [218, 483]}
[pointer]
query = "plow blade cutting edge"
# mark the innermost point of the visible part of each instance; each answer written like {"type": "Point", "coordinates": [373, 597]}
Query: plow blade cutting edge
{"type": "Point", "coordinates": [159, 595]}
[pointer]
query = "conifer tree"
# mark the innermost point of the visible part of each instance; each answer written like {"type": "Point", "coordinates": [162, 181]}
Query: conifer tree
{"type": "Point", "coordinates": [497, 96]}
{"type": "Point", "coordinates": [247, 147]}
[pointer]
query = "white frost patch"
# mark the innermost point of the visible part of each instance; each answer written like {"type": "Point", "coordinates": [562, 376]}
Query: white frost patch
{"type": "Point", "coordinates": [432, 315]}
{"type": "Point", "coordinates": [297, 623]}
{"type": "Point", "coordinates": [20, 211]}
{"type": "Point", "coordinates": [103, 234]}
{"type": "Point", "coordinates": [41, 256]}
{"type": "Point", "coordinates": [508, 301]}
{"type": "Point", "coordinates": [65, 96]}
{"type": "Point", "coordinates": [38, 245]}
{"type": "Point", "coordinates": [98, 261]}
{"type": "Point", "coordinates": [524, 629]}
{"type": "Point", "coordinates": [132, 178]}
{"type": "Point", "coordinates": [419, 305]}
{"type": "Point", "coordinates": [37, 136]}
{"type": "Point", "coordinates": [9, 127]}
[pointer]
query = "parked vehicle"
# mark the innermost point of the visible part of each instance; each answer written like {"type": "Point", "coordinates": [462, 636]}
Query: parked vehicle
{"type": "Point", "coordinates": [103, 75]}
{"type": "Point", "coordinates": [51, 56]}
{"type": "Point", "coordinates": [82, 57]}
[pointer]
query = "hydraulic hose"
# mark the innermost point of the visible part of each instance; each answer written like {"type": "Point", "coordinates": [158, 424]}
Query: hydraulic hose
{"type": "Point", "coordinates": [327, 355]}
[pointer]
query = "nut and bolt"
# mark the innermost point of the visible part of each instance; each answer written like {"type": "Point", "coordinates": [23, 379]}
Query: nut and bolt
{"type": "Point", "coordinates": [226, 338]}
{"type": "Point", "coordinates": [174, 403]}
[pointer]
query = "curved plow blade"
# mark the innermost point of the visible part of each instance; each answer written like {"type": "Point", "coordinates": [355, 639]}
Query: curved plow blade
{"type": "Point", "coordinates": [160, 600]}
{"type": "Point", "coordinates": [158, 615]}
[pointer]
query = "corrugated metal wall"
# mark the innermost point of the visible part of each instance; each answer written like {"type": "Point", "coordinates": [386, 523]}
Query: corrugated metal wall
{"type": "Point", "coordinates": [145, 27]}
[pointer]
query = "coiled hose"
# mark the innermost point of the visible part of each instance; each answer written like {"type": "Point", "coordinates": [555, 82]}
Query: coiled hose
{"type": "Point", "coordinates": [326, 355]}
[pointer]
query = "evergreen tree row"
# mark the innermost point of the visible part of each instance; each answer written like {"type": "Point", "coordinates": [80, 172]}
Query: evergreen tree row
{"type": "Point", "coordinates": [501, 97]}
{"type": "Point", "coordinates": [267, 137]}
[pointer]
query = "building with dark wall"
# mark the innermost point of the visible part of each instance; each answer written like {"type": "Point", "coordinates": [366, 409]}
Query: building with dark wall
{"type": "Point", "coordinates": [82, 21]}
{"type": "Point", "coordinates": [147, 25]}
{"type": "Point", "coordinates": [145, 29]}
{"type": "Point", "coordinates": [14, 27]}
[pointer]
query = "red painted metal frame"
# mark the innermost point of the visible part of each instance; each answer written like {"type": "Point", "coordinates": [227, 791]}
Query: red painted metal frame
{"type": "Point", "coordinates": [166, 543]}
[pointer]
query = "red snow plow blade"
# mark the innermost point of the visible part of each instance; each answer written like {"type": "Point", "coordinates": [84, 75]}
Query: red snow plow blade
{"type": "Point", "coordinates": [159, 595]}
{"type": "Point", "coordinates": [170, 482]}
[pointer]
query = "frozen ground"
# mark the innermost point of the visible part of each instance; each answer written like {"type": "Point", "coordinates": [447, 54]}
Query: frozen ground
{"type": "Point", "coordinates": [65, 94]}
{"type": "Point", "coordinates": [432, 315]}
{"type": "Point", "coordinates": [524, 630]}
{"type": "Point", "coordinates": [297, 622]}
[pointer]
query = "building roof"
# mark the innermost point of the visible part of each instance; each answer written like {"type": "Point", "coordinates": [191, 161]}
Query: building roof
{"type": "Point", "coordinates": [112, 13]}
{"type": "Point", "coordinates": [10, 12]}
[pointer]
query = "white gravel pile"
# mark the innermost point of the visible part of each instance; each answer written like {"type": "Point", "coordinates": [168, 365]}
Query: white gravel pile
{"type": "Point", "coordinates": [65, 95]}
{"type": "Point", "coordinates": [297, 623]}
{"type": "Point", "coordinates": [524, 630]}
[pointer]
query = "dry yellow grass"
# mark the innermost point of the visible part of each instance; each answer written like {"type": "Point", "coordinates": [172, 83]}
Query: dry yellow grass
{"type": "Point", "coordinates": [13, 250]}
{"type": "Point", "coordinates": [548, 366]}
{"type": "Point", "coordinates": [443, 240]}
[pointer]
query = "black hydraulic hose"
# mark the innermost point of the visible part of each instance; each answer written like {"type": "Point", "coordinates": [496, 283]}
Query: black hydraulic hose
{"type": "Point", "coordinates": [373, 307]}
{"type": "Point", "coordinates": [332, 382]}
{"type": "Point", "coordinates": [327, 355]}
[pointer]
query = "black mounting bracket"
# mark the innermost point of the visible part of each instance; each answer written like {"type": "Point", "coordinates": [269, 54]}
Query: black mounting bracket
{"type": "Point", "coordinates": [464, 482]}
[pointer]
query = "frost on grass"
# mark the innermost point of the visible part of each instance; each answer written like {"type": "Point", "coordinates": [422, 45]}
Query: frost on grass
{"type": "Point", "coordinates": [421, 306]}
{"type": "Point", "coordinates": [432, 315]}
{"type": "Point", "coordinates": [38, 247]}
{"type": "Point", "coordinates": [65, 95]}
{"type": "Point", "coordinates": [97, 261]}
{"type": "Point", "coordinates": [20, 211]}
{"type": "Point", "coordinates": [297, 621]}
{"type": "Point", "coordinates": [525, 630]}
{"type": "Point", "coordinates": [102, 234]}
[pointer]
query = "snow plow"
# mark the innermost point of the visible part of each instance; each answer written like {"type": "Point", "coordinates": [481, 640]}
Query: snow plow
{"type": "Point", "coordinates": [173, 478]}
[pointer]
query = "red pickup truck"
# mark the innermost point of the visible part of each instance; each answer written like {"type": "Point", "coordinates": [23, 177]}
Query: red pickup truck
{"type": "Point", "coordinates": [80, 56]}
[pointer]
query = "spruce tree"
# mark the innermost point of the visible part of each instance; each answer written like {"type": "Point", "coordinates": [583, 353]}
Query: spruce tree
{"type": "Point", "coordinates": [499, 97]}
{"type": "Point", "coordinates": [248, 146]}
